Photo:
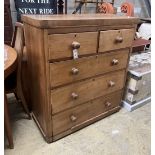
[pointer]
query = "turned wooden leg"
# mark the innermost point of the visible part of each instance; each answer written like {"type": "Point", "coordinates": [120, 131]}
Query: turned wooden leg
{"type": "Point", "coordinates": [7, 123]}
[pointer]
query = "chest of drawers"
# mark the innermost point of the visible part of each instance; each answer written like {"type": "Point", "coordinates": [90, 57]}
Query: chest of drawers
{"type": "Point", "coordinates": [77, 66]}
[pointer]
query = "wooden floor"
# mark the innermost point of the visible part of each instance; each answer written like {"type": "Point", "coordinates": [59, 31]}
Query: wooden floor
{"type": "Point", "coordinates": [124, 133]}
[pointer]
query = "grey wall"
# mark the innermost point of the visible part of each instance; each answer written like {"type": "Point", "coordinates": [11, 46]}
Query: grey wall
{"type": "Point", "coordinates": [140, 8]}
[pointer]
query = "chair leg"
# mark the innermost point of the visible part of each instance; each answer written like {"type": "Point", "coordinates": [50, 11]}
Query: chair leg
{"type": "Point", "coordinates": [16, 96]}
{"type": "Point", "coordinates": [7, 123]}
{"type": "Point", "coordinates": [24, 104]}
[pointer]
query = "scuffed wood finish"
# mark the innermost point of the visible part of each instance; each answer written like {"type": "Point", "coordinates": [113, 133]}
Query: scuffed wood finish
{"type": "Point", "coordinates": [78, 115]}
{"type": "Point", "coordinates": [115, 39]}
{"type": "Point", "coordinates": [37, 72]}
{"type": "Point", "coordinates": [77, 28]}
{"type": "Point", "coordinates": [54, 21]}
{"type": "Point", "coordinates": [68, 94]}
{"type": "Point", "coordinates": [77, 93]}
{"type": "Point", "coordinates": [86, 123]}
{"type": "Point", "coordinates": [101, 64]}
{"type": "Point", "coordinates": [60, 45]}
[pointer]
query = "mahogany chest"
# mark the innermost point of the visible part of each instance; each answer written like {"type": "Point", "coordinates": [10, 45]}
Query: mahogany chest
{"type": "Point", "coordinates": [77, 66]}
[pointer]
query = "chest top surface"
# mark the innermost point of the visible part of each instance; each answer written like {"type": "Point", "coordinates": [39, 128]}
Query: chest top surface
{"type": "Point", "coordinates": [52, 21]}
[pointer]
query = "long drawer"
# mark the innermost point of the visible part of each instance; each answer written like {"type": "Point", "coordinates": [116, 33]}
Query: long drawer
{"type": "Point", "coordinates": [79, 115]}
{"type": "Point", "coordinates": [77, 93]}
{"type": "Point", "coordinates": [65, 72]}
{"type": "Point", "coordinates": [115, 39]}
{"type": "Point", "coordinates": [62, 45]}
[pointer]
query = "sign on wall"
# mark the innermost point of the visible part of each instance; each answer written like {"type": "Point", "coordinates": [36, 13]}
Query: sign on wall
{"type": "Point", "coordinates": [41, 7]}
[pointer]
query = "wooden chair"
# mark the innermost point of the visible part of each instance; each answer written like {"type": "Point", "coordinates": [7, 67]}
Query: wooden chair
{"type": "Point", "coordinates": [13, 83]}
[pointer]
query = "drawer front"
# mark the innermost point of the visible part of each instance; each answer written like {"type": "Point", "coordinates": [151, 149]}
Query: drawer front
{"type": "Point", "coordinates": [115, 39]}
{"type": "Point", "coordinates": [79, 115]}
{"type": "Point", "coordinates": [62, 45]}
{"type": "Point", "coordinates": [74, 70]}
{"type": "Point", "coordinates": [74, 94]}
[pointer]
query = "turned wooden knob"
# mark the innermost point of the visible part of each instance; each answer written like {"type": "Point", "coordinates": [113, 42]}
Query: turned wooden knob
{"type": "Point", "coordinates": [119, 39]}
{"type": "Point", "coordinates": [74, 96]}
{"type": "Point", "coordinates": [111, 84]}
{"type": "Point", "coordinates": [73, 118]}
{"type": "Point", "coordinates": [107, 104]}
{"type": "Point", "coordinates": [75, 71]}
{"type": "Point", "coordinates": [75, 45]}
{"type": "Point", "coordinates": [114, 62]}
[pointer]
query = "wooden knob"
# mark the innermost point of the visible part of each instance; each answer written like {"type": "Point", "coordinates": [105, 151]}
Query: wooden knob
{"type": "Point", "coordinates": [75, 71]}
{"type": "Point", "coordinates": [115, 62]}
{"type": "Point", "coordinates": [75, 45]}
{"type": "Point", "coordinates": [74, 96]}
{"type": "Point", "coordinates": [73, 118]}
{"type": "Point", "coordinates": [107, 104]}
{"type": "Point", "coordinates": [119, 39]}
{"type": "Point", "coordinates": [111, 84]}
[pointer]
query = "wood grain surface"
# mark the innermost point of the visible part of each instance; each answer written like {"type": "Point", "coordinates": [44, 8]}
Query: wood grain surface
{"type": "Point", "coordinates": [53, 21]}
{"type": "Point", "coordinates": [62, 98]}
{"type": "Point", "coordinates": [37, 76]}
{"type": "Point", "coordinates": [60, 45]}
{"type": "Point", "coordinates": [108, 39]}
{"type": "Point", "coordinates": [59, 83]}
{"type": "Point", "coordinates": [72, 117]}
{"type": "Point", "coordinates": [101, 64]}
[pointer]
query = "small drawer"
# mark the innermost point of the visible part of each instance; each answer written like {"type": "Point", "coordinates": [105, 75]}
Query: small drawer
{"type": "Point", "coordinates": [62, 45]}
{"type": "Point", "coordinates": [74, 70]}
{"type": "Point", "coordinates": [115, 39]}
{"type": "Point", "coordinates": [77, 93]}
{"type": "Point", "coordinates": [81, 115]}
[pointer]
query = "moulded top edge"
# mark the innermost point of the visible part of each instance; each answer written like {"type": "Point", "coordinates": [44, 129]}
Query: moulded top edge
{"type": "Point", "coordinates": [49, 21]}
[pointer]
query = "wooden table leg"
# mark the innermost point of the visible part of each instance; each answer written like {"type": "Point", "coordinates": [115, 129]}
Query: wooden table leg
{"type": "Point", "coordinates": [7, 123]}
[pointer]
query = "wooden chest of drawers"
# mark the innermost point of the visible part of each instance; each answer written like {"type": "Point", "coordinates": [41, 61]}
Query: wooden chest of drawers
{"type": "Point", "coordinates": [77, 66]}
